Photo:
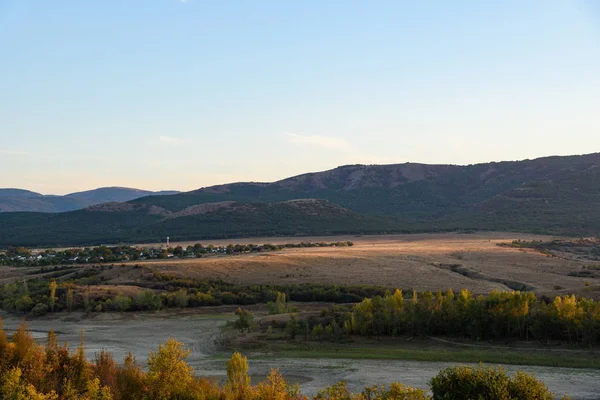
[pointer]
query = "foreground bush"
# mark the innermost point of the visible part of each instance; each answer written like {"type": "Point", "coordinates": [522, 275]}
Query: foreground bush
{"type": "Point", "coordinates": [29, 371]}
{"type": "Point", "coordinates": [487, 383]}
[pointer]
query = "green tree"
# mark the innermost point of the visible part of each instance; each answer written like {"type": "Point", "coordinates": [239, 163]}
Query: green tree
{"type": "Point", "coordinates": [292, 327]}
{"type": "Point", "coordinates": [122, 302]}
{"type": "Point", "coordinates": [279, 306]}
{"type": "Point", "coordinates": [178, 251]}
{"type": "Point", "coordinates": [181, 298]}
{"type": "Point", "coordinates": [244, 321]}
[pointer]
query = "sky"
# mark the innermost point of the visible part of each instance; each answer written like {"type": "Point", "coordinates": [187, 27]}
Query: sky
{"type": "Point", "coordinates": [173, 94]}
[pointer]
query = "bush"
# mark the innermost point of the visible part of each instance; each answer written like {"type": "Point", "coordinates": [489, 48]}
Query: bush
{"type": "Point", "coordinates": [486, 383]}
{"type": "Point", "coordinates": [40, 309]}
{"type": "Point", "coordinates": [24, 304]}
{"type": "Point", "coordinates": [122, 302]}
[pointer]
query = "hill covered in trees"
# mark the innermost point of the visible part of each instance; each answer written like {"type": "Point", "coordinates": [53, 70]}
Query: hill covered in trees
{"type": "Point", "coordinates": [129, 222]}
{"type": "Point", "coordinates": [556, 195]}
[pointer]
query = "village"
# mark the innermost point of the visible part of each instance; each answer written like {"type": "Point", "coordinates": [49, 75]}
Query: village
{"type": "Point", "coordinates": [21, 256]}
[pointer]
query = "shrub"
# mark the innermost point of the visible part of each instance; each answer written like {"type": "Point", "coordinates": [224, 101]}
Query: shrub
{"type": "Point", "coordinates": [40, 309]}
{"type": "Point", "coordinates": [24, 304]}
{"type": "Point", "coordinates": [486, 383]}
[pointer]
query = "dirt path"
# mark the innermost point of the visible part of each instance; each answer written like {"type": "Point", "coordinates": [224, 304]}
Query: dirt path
{"type": "Point", "coordinates": [141, 333]}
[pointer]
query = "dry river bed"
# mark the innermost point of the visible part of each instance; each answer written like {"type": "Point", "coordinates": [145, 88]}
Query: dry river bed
{"type": "Point", "coordinates": [141, 333]}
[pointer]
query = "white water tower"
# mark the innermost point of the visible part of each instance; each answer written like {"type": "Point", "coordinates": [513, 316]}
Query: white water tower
{"type": "Point", "coordinates": [167, 242]}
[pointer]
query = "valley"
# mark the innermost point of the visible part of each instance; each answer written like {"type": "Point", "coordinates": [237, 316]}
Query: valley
{"type": "Point", "coordinates": [198, 330]}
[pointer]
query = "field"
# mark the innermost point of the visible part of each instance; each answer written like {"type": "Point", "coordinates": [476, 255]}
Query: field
{"type": "Point", "coordinates": [420, 262]}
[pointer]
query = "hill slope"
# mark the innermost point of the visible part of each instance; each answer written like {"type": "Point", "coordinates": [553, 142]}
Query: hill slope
{"type": "Point", "coordinates": [552, 194]}
{"type": "Point", "coordinates": [125, 222]}
{"type": "Point", "coordinates": [10, 192]}
{"type": "Point", "coordinates": [15, 200]}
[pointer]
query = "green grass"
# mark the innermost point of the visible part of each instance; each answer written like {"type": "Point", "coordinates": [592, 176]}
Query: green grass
{"type": "Point", "coordinates": [432, 354]}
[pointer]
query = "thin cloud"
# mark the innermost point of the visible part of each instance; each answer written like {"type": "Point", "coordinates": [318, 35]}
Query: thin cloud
{"type": "Point", "coordinates": [170, 140]}
{"type": "Point", "coordinates": [7, 152]}
{"type": "Point", "coordinates": [349, 153]}
{"type": "Point", "coordinates": [319, 141]}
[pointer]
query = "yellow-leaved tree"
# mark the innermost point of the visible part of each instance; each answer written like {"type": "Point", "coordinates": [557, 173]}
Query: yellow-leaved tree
{"type": "Point", "coordinates": [169, 376]}
{"type": "Point", "coordinates": [238, 384]}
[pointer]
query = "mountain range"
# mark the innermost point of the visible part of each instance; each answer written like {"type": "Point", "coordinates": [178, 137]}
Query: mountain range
{"type": "Point", "coordinates": [558, 195]}
{"type": "Point", "coordinates": [13, 200]}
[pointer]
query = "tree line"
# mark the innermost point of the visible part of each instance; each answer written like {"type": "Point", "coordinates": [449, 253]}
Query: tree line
{"type": "Point", "coordinates": [505, 316]}
{"type": "Point", "coordinates": [75, 293]}
{"type": "Point", "coordinates": [30, 371]}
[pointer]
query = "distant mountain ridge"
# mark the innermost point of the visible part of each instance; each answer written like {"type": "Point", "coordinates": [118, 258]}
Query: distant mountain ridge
{"type": "Point", "coordinates": [411, 189]}
{"type": "Point", "coordinates": [555, 195]}
{"type": "Point", "coordinates": [15, 200]}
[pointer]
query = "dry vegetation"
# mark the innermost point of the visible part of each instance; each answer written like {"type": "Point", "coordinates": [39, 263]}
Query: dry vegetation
{"type": "Point", "coordinates": [418, 261]}
{"type": "Point", "coordinates": [421, 262]}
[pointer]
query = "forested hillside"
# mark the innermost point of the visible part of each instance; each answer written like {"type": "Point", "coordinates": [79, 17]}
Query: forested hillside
{"type": "Point", "coordinates": [122, 222]}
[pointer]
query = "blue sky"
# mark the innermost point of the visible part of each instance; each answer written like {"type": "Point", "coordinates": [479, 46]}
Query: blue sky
{"type": "Point", "coordinates": [171, 94]}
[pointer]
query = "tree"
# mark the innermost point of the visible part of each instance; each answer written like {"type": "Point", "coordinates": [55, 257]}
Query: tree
{"type": "Point", "coordinates": [80, 369]}
{"type": "Point", "coordinates": [237, 376]}
{"type": "Point", "coordinates": [52, 299]}
{"type": "Point", "coordinates": [317, 331]}
{"type": "Point", "coordinates": [244, 321]}
{"type": "Point", "coordinates": [276, 388]}
{"type": "Point", "coordinates": [178, 251]}
{"type": "Point", "coordinates": [106, 371]}
{"type": "Point", "coordinates": [122, 302]}
{"type": "Point", "coordinates": [398, 391]}
{"type": "Point", "coordinates": [130, 380]}
{"type": "Point", "coordinates": [279, 306]}
{"type": "Point", "coordinates": [70, 300]}
{"type": "Point", "coordinates": [339, 391]}
{"type": "Point", "coordinates": [12, 387]}
{"type": "Point", "coordinates": [147, 300]}
{"type": "Point", "coordinates": [292, 327]}
{"type": "Point", "coordinates": [181, 298]}
{"type": "Point", "coordinates": [95, 391]}
{"type": "Point", "coordinates": [86, 299]}
{"type": "Point", "coordinates": [24, 304]}
{"type": "Point", "coordinates": [526, 386]}
{"type": "Point", "coordinates": [169, 376]}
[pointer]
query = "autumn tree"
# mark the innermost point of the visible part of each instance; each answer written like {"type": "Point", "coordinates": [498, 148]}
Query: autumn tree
{"type": "Point", "coordinates": [169, 376]}
{"type": "Point", "coordinates": [238, 381]}
{"type": "Point", "coordinates": [52, 299]}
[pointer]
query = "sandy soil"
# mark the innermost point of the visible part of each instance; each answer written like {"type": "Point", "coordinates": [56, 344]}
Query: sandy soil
{"type": "Point", "coordinates": [141, 333]}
